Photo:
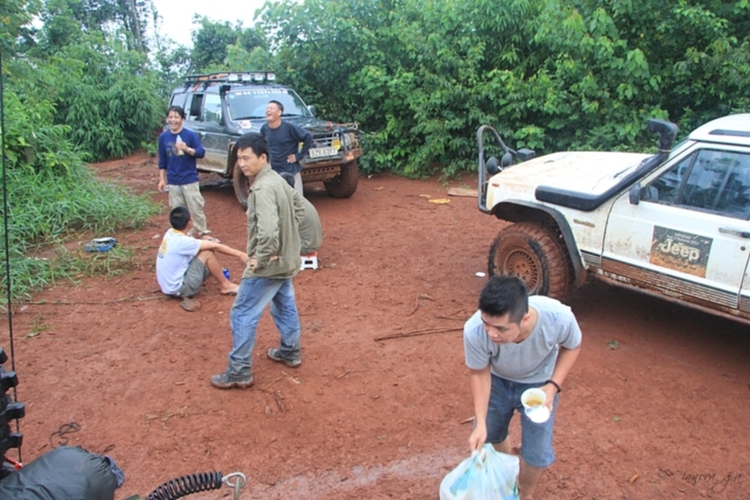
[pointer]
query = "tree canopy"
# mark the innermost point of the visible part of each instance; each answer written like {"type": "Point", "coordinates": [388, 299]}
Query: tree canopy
{"type": "Point", "coordinates": [422, 75]}
{"type": "Point", "coordinates": [419, 76]}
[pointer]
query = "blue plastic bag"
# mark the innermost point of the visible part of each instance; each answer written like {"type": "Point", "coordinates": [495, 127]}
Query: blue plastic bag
{"type": "Point", "coordinates": [486, 475]}
{"type": "Point", "coordinates": [101, 244]}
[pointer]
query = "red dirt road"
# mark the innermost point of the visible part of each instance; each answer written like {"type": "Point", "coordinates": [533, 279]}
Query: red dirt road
{"type": "Point", "coordinates": [656, 407]}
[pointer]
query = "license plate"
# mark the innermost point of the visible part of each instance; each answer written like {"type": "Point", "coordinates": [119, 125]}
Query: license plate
{"type": "Point", "coordinates": [322, 152]}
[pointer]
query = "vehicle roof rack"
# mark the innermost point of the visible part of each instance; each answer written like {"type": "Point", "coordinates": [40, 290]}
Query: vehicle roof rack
{"type": "Point", "coordinates": [231, 77]}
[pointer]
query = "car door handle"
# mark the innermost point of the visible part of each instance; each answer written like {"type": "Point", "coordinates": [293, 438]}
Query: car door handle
{"type": "Point", "coordinates": [735, 232]}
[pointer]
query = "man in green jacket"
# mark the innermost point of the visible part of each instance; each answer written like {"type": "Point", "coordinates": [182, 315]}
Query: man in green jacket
{"type": "Point", "coordinates": [273, 218]}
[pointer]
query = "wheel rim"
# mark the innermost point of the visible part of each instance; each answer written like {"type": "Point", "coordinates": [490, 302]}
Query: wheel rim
{"type": "Point", "coordinates": [524, 265]}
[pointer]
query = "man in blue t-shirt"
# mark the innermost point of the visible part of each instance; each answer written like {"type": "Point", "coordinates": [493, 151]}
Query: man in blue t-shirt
{"type": "Point", "coordinates": [178, 149]}
{"type": "Point", "coordinates": [513, 343]}
{"type": "Point", "coordinates": [283, 143]}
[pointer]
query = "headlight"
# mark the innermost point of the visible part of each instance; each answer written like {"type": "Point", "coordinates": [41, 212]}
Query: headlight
{"type": "Point", "coordinates": [350, 140]}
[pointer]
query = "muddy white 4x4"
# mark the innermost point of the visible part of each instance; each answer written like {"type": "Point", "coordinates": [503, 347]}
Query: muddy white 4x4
{"type": "Point", "coordinates": [675, 224]}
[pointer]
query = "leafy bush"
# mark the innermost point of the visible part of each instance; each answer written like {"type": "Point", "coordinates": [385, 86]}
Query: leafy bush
{"type": "Point", "coordinates": [420, 76]}
{"type": "Point", "coordinates": [110, 103]}
{"type": "Point", "coordinates": [51, 192]}
{"type": "Point", "coordinates": [45, 207]}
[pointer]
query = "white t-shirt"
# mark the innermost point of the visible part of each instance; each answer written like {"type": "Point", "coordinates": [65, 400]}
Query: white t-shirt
{"type": "Point", "coordinates": [533, 359]}
{"type": "Point", "coordinates": [173, 258]}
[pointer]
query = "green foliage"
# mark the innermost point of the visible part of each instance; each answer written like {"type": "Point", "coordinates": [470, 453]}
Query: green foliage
{"type": "Point", "coordinates": [420, 76]}
{"type": "Point", "coordinates": [46, 206]}
{"type": "Point", "coordinates": [239, 59]}
{"type": "Point", "coordinates": [98, 89]}
{"type": "Point", "coordinates": [15, 24]}
{"type": "Point", "coordinates": [66, 22]}
{"type": "Point", "coordinates": [111, 110]}
{"type": "Point", "coordinates": [78, 89]}
{"type": "Point", "coordinates": [32, 141]}
{"type": "Point", "coordinates": [221, 46]}
{"type": "Point", "coordinates": [78, 263]}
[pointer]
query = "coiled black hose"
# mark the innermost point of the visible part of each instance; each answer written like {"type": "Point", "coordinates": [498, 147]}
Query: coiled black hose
{"type": "Point", "coordinates": [186, 485]}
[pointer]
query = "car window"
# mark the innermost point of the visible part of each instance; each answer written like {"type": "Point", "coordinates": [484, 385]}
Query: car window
{"type": "Point", "coordinates": [707, 180]}
{"type": "Point", "coordinates": [194, 113]}
{"type": "Point", "coordinates": [245, 104]}
{"type": "Point", "coordinates": [212, 108]}
{"type": "Point", "coordinates": [178, 100]}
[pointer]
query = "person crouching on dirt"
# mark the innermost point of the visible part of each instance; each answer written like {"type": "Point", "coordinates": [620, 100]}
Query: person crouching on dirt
{"type": "Point", "coordinates": [183, 263]}
{"type": "Point", "coordinates": [310, 230]}
{"type": "Point", "coordinates": [512, 343]}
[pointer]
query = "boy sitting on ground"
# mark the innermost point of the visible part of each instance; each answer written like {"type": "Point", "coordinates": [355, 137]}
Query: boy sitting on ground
{"type": "Point", "coordinates": [183, 263]}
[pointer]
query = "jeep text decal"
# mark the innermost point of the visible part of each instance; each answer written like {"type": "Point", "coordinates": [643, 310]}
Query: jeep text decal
{"type": "Point", "coordinates": [684, 252]}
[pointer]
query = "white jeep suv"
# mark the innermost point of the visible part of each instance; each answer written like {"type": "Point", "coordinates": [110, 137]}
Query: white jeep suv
{"type": "Point", "coordinates": [675, 224]}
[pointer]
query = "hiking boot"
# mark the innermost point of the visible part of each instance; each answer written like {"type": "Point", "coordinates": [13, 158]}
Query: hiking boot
{"type": "Point", "coordinates": [275, 355]}
{"type": "Point", "coordinates": [225, 381]}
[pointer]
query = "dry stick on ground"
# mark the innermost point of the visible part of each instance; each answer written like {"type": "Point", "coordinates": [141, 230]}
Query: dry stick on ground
{"type": "Point", "coordinates": [417, 333]}
{"type": "Point", "coordinates": [342, 375]}
{"type": "Point", "coordinates": [416, 306]}
{"type": "Point", "coordinates": [278, 399]}
{"type": "Point", "coordinates": [104, 302]}
{"type": "Point", "coordinates": [336, 378]}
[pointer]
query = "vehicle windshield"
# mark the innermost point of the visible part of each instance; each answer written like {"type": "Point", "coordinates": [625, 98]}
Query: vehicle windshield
{"type": "Point", "coordinates": [247, 104]}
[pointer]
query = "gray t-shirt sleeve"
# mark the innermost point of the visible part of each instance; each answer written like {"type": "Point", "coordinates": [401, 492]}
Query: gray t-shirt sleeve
{"type": "Point", "coordinates": [476, 348]}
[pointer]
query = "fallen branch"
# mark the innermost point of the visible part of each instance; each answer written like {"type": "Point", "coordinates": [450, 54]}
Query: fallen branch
{"type": "Point", "coordinates": [417, 333]}
{"type": "Point", "coordinates": [337, 377]}
{"type": "Point", "coordinates": [341, 375]}
{"type": "Point", "coordinates": [98, 303]}
{"type": "Point", "coordinates": [416, 306]}
{"type": "Point", "coordinates": [452, 319]}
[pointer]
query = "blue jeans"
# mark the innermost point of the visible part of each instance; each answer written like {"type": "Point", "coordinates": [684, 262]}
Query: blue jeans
{"type": "Point", "coordinates": [536, 439]}
{"type": "Point", "coordinates": [252, 298]}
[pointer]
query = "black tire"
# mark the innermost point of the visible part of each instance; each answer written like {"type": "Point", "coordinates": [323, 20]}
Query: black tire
{"type": "Point", "coordinates": [241, 186]}
{"type": "Point", "coordinates": [345, 184]}
{"type": "Point", "coordinates": [537, 256]}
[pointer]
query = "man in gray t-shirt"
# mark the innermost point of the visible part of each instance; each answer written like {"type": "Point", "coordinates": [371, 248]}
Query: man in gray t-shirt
{"type": "Point", "coordinates": [512, 343]}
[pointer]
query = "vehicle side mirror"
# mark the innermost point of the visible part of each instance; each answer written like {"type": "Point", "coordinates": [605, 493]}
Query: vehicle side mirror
{"type": "Point", "coordinates": [635, 194]}
{"type": "Point", "coordinates": [526, 154]}
{"type": "Point", "coordinates": [312, 109]}
{"type": "Point", "coordinates": [493, 166]}
{"type": "Point", "coordinates": [507, 159]}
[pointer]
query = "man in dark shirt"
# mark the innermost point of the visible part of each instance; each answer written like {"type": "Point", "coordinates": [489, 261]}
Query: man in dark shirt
{"type": "Point", "coordinates": [283, 143]}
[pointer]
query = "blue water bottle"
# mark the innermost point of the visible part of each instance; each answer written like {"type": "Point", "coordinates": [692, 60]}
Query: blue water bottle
{"type": "Point", "coordinates": [226, 272]}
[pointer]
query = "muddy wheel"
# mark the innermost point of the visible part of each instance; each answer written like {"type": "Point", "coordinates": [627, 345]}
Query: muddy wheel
{"type": "Point", "coordinates": [536, 255]}
{"type": "Point", "coordinates": [241, 186]}
{"type": "Point", "coordinates": [344, 184]}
